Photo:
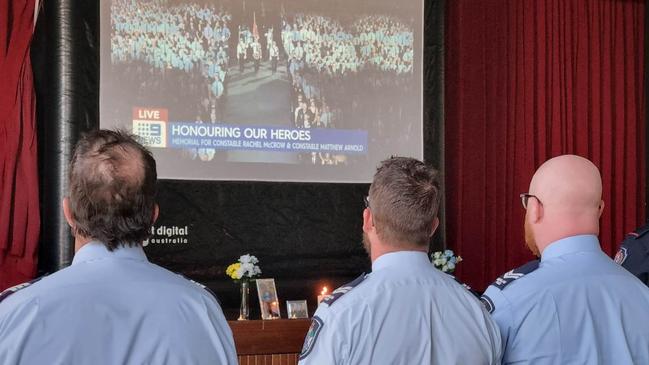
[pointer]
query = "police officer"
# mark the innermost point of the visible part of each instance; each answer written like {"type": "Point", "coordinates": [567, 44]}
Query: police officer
{"type": "Point", "coordinates": [274, 56]}
{"type": "Point", "coordinates": [634, 253]}
{"type": "Point", "coordinates": [405, 311]}
{"type": "Point", "coordinates": [112, 306]}
{"type": "Point", "coordinates": [242, 50]}
{"type": "Point", "coordinates": [575, 305]}
{"type": "Point", "coordinates": [256, 54]}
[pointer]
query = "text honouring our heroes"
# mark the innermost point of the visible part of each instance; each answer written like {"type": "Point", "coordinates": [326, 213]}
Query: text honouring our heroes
{"type": "Point", "coordinates": [265, 138]}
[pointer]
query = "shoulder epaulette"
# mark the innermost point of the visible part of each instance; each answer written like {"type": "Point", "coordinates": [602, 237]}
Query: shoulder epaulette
{"type": "Point", "coordinates": [465, 286]}
{"type": "Point", "coordinates": [512, 275]}
{"type": "Point", "coordinates": [202, 287]}
{"type": "Point", "coordinates": [336, 294]}
{"type": "Point", "coordinates": [638, 233]}
{"type": "Point", "coordinates": [14, 289]}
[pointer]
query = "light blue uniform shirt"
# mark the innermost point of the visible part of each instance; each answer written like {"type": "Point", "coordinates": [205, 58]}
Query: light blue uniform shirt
{"type": "Point", "coordinates": [113, 308]}
{"type": "Point", "coordinates": [578, 307]}
{"type": "Point", "coordinates": [404, 312]}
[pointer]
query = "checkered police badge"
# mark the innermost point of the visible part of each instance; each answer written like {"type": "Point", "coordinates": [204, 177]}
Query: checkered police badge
{"type": "Point", "coordinates": [621, 255]}
{"type": "Point", "coordinates": [311, 336]}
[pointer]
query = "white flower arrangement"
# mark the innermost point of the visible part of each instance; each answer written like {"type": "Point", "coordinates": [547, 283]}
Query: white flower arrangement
{"type": "Point", "coordinates": [245, 268]}
{"type": "Point", "coordinates": [445, 260]}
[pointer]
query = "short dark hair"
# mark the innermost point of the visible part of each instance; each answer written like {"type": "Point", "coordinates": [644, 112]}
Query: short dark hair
{"type": "Point", "coordinates": [112, 189]}
{"type": "Point", "coordinates": [404, 200]}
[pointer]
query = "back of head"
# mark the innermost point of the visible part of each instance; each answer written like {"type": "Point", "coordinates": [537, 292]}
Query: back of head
{"type": "Point", "coordinates": [569, 193]}
{"type": "Point", "coordinates": [112, 189]}
{"type": "Point", "coordinates": [404, 199]}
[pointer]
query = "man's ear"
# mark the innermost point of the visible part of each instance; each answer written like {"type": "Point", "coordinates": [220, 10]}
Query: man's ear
{"type": "Point", "coordinates": [435, 226]}
{"type": "Point", "coordinates": [601, 208]}
{"type": "Point", "coordinates": [67, 212]}
{"type": "Point", "coordinates": [156, 212]}
{"type": "Point", "coordinates": [534, 211]}
{"type": "Point", "coordinates": [368, 221]}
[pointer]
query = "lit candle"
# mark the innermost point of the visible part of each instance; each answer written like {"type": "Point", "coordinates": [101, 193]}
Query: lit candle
{"type": "Point", "coordinates": [322, 295]}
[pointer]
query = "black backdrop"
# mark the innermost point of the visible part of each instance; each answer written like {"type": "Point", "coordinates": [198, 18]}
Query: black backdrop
{"type": "Point", "coordinates": [305, 235]}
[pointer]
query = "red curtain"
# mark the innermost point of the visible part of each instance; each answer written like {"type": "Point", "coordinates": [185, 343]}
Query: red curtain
{"type": "Point", "coordinates": [526, 81]}
{"type": "Point", "coordinates": [19, 208]}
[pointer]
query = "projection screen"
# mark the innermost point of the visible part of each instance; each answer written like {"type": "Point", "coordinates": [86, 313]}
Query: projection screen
{"type": "Point", "coordinates": [292, 90]}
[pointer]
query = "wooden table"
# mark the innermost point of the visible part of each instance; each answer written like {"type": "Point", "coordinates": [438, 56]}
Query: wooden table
{"type": "Point", "coordinates": [272, 342]}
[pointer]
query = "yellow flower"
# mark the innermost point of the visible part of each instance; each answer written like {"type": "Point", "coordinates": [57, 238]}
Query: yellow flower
{"type": "Point", "coordinates": [231, 271]}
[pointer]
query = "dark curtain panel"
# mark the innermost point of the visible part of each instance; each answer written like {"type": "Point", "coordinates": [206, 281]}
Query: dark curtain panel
{"type": "Point", "coordinates": [526, 81]}
{"type": "Point", "coordinates": [65, 55]}
{"type": "Point", "coordinates": [19, 212]}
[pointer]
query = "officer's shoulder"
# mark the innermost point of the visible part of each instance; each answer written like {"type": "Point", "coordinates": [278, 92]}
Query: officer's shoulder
{"type": "Point", "coordinates": [337, 294]}
{"type": "Point", "coordinates": [464, 285]}
{"type": "Point", "coordinates": [18, 288]}
{"type": "Point", "coordinates": [639, 232]}
{"type": "Point", "coordinates": [200, 287]}
{"type": "Point", "coordinates": [636, 242]}
{"type": "Point", "coordinates": [511, 276]}
{"type": "Point", "coordinates": [494, 296]}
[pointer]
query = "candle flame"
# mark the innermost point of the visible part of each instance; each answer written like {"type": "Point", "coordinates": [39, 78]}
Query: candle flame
{"type": "Point", "coordinates": [324, 291]}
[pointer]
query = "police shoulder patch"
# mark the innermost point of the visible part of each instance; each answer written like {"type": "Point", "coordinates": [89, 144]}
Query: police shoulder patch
{"type": "Point", "coordinates": [311, 336]}
{"type": "Point", "coordinates": [621, 256]}
{"type": "Point", "coordinates": [488, 303]}
{"type": "Point", "coordinates": [336, 294]}
{"type": "Point", "coordinates": [515, 274]}
{"type": "Point", "coordinates": [14, 289]}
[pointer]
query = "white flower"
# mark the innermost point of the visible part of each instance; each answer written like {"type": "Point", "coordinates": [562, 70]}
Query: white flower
{"type": "Point", "coordinates": [451, 266]}
{"type": "Point", "coordinates": [247, 268]}
{"type": "Point", "coordinates": [445, 268]}
{"type": "Point", "coordinates": [437, 254]}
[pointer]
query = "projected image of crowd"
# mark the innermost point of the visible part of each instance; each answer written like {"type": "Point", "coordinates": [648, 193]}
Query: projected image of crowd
{"type": "Point", "coordinates": [183, 48]}
{"type": "Point", "coordinates": [341, 74]}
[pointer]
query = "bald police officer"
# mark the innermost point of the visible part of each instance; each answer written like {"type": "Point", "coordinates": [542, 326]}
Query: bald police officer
{"type": "Point", "coordinates": [405, 311]}
{"type": "Point", "coordinates": [112, 306]}
{"type": "Point", "coordinates": [575, 305]}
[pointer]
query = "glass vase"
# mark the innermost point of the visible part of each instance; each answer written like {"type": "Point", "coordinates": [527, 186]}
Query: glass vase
{"type": "Point", "coordinates": [244, 307]}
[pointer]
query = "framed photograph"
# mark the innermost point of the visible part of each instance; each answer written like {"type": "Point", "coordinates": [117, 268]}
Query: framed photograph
{"type": "Point", "coordinates": [268, 302]}
{"type": "Point", "coordinates": [297, 309]}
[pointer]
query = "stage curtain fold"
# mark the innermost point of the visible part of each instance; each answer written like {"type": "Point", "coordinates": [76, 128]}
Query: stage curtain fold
{"type": "Point", "coordinates": [527, 81]}
{"type": "Point", "coordinates": [19, 206]}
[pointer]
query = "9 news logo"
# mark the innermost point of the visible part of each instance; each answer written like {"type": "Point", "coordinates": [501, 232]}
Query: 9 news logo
{"type": "Point", "coordinates": [150, 124]}
{"type": "Point", "coordinates": [152, 134]}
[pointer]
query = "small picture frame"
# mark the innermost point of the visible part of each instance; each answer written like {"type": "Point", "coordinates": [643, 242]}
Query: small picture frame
{"type": "Point", "coordinates": [268, 302]}
{"type": "Point", "coordinates": [297, 309]}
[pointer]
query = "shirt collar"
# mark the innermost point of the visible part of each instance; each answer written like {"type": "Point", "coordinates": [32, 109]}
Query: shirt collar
{"type": "Point", "coordinates": [96, 250]}
{"type": "Point", "coordinates": [401, 258]}
{"type": "Point", "coordinates": [568, 245]}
